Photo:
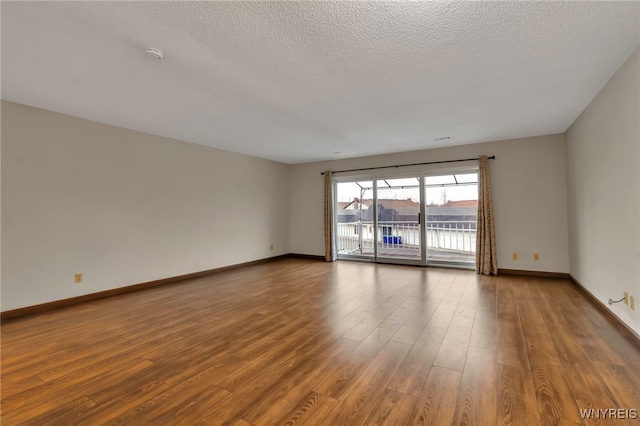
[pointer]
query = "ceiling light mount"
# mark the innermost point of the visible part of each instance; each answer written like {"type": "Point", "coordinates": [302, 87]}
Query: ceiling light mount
{"type": "Point", "coordinates": [154, 53]}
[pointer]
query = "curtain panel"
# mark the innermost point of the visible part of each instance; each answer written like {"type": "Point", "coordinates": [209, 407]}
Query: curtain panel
{"type": "Point", "coordinates": [328, 216]}
{"type": "Point", "coordinates": [486, 254]}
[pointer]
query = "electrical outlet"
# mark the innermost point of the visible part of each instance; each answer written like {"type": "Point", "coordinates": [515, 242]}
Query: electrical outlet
{"type": "Point", "coordinates": [626, 298]}
{"type": "Point", "coordinates": [514, 256]}
{"type": "Point", "coordinates": [632, 303]}
{"type": "Point", "coordinates": [271, 246]}
{"type": "Point", "coordinates": [78, 278]}
{"type": "Point", "coordinates": [536, 256]}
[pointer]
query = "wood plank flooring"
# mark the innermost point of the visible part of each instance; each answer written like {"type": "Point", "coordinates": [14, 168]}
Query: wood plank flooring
{"type": "Point", "coordinates": [299, 341]}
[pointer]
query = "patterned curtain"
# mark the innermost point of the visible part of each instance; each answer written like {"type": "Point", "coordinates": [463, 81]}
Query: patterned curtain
{"type": "Point", "coordinates": [486, 254]}
{"type": "Point", "coordinates": [328, 217]}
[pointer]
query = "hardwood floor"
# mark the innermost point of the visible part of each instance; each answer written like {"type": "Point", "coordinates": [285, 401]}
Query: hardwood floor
{"type": "Point", "coordinates": [305, 342]}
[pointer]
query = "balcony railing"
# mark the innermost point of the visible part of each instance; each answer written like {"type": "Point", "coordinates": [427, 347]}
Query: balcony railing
{"type": "Point", "coordinates": [457, 237]}
{"type": "Point", "coordinates": [452, 235]}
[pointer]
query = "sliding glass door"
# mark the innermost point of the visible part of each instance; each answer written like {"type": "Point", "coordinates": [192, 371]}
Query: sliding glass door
{"type": "Point", "coordinates": [419, 220]}
{"type": "Point", "coordinates": [379, 219]}
{"type": "Point", "coordinates": [398, 227]}
{"type": "Point", "coordinates": [451, 210]}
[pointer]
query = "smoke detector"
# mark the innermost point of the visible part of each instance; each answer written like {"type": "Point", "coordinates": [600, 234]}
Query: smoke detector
{"type": "Point", "coordinates": [154, 53]}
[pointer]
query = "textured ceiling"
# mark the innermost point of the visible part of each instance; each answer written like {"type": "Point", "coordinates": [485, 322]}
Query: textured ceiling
{"type": "Point", "coordinates": [298, 81]}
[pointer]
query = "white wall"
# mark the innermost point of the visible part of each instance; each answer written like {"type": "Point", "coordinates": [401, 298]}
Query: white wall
{"type": "Point", "coordinates": [603, 192]}
{"type": "Point", "coordinates": [124, 207]}
{"type": "Point", "coordinates": [529, 188]}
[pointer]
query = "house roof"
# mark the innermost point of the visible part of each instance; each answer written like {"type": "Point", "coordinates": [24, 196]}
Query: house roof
{"type": "Point", "coordinates": [462, 203]}
{"type": "Point", "coordinates": [398, 204]}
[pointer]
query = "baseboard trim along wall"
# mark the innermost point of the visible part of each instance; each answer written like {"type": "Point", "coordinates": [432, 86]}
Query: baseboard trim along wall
{"type": "Point", "coordinates": [533, 273]}
{"type": "Point", "coordinates": [307, 256]}
{"type": "Point", "coordinates": [35, 309]}
{"type": "Point", "coordinates": [623, 328]}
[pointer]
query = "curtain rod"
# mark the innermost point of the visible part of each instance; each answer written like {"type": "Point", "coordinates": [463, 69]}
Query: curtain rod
{"type": "Point", "coordinates": [493, 157]}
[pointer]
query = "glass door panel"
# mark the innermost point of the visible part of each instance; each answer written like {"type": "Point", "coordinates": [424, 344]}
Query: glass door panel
{"type": "Point", "coordinates": [354, 219]}
{"type": "Point", "coordinates": [398, 233]}
{"type": "Point", "coordinates": [451, 210]}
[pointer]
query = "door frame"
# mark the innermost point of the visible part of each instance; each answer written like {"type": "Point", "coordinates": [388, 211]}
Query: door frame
{"type": "Point", "coordinates": [411, 172]}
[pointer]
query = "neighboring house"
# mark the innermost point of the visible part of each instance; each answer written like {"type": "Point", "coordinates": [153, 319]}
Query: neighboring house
{"type": "Point", "coordinates": [454, 211]}
{"type": "Point", "coordinates": [406, 211]}
{"type": "Point", "coordinates": [388, 210]}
